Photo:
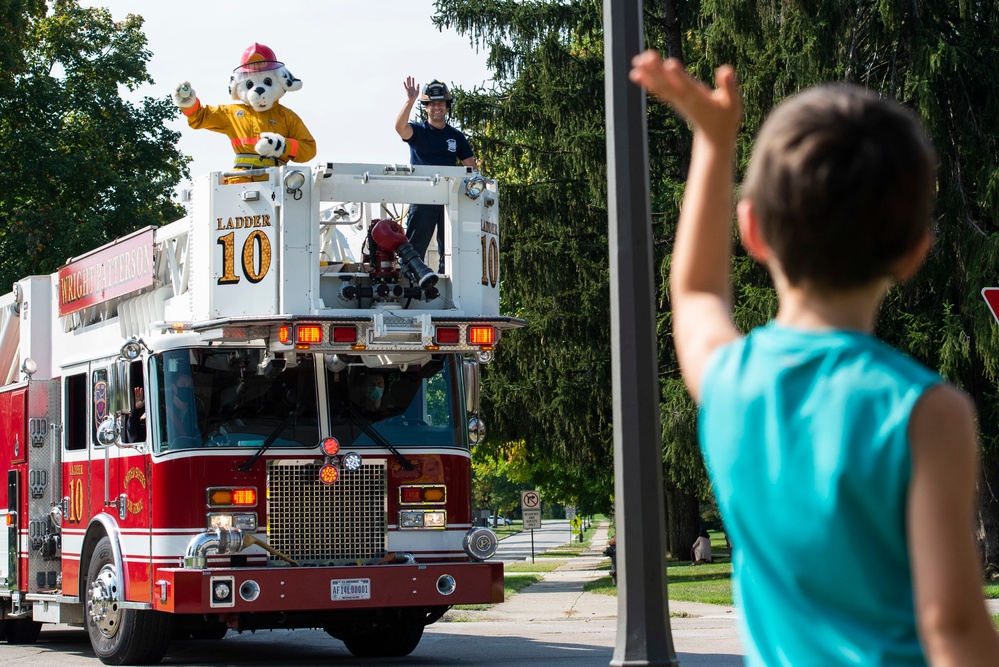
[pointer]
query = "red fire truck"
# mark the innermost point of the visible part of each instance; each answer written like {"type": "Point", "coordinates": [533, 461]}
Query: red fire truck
{"type": "Point", "coordinates": [258, 416]}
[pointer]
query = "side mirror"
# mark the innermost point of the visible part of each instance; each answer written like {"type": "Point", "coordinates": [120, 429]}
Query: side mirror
{"type": "Point", "coordinates": [107, 432]}
{"type": "Point", "coordinates": [471, 371]}
{"type": "Point", "coordinates": [119, 381]}
{"type": "Point", "coordinates": [476, 430]}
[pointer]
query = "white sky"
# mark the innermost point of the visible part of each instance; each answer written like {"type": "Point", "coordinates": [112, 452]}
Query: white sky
{"type": "Point", "coordinates": [351, 55]}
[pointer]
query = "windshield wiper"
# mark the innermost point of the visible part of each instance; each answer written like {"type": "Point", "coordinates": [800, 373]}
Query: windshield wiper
{"type": "Point", "coordinates": [270, 439]}
{"type": "Point", "coordinates": [379, 439]}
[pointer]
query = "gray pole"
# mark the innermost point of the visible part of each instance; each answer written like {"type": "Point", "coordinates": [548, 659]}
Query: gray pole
{"type": "Point", "coordinates": [643, 632]}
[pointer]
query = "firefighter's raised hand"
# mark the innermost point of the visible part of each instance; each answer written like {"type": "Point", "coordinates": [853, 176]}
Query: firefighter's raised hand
{"type": "Point", "coordinates": [184, 96]}
{"type": "Point", "coordinates": [412, 89]}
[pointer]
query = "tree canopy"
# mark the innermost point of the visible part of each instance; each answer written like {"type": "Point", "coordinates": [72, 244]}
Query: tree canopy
{"type": "Point", "coordinates": [82, 165]}
{"type": "Point", "coordinates": [540, 130]}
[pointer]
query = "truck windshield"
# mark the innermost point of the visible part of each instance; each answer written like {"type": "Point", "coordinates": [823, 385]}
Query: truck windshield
{"type": "Point", "coordinates": [233, 398]}
{"type": "Point", "coordinates": [418, 407]}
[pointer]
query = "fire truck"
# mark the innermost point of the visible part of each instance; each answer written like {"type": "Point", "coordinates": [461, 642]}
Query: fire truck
{"type": "Point", "coordinates": [259, 416]}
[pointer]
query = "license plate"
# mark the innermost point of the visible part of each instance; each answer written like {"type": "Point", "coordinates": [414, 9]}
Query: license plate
{"type": "Point", "coordinates": [350, 589]}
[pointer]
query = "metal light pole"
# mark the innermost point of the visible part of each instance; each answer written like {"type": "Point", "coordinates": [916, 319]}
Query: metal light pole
{"type": "Point", "coordinates": [643, 632]}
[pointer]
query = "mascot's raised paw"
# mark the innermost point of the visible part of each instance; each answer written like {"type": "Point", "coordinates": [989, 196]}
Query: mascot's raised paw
{"type": "Point", "coordinates": [184, 96]}
{"type": "Point", "coordinates": [270, 145]}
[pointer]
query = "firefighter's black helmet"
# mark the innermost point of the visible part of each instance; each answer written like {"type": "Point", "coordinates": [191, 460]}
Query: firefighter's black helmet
{"type": "Point", "coordinates": [435, 91]}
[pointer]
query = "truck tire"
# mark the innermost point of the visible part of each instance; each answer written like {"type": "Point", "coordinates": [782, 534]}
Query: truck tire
{"type": "Point", "coordinates": [209, 630]}
{"type": "Point", "coordinates": [387, 642]}
{"type": "Point", "coordinates": [21, 630]}
{"type": "Point", "coordinates": [120, 636]}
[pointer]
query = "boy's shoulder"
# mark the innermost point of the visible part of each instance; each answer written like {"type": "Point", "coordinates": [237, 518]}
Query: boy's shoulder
{"type": "Point", "coordinates": [854, 356]}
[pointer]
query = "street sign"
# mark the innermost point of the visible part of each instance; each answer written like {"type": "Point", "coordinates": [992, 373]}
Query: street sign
{"type": "Point", "coordinates": [532, 519]}
{"type": "Point", "coordinates": [576, 524]}
{"type": "Point", "coordinates": [530, 500]}
{"type": "Point", "coordinates": [991, 296]}
{"type": "Point", "coordinates": [570, 512]}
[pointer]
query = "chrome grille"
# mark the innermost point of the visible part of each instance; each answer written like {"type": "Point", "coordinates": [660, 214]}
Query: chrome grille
{"type": "Point", "coordinates": [319, 524]}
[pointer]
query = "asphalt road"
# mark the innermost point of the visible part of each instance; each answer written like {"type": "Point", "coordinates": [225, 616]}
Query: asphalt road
{"type": "Point", "coordinates": [479, 643]}
{"type": "Point", "coordinates": [518, 547]}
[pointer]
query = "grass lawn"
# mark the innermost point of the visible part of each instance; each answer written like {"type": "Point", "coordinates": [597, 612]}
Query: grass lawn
{"type": "Point", "coordinates": [710, 584]}
{"type": "Point", "coordinates": [525, 566]}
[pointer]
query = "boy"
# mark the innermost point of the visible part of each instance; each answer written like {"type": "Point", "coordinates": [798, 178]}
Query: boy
{"type": "Point", "coordinates": [860, 462]}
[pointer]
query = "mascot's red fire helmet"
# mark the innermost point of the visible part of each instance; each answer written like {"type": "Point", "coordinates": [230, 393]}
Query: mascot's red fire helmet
{"type": "Point", "coordinates": [258, 58]}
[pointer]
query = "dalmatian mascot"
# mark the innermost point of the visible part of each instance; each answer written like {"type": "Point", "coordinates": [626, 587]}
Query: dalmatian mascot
{"type": "Point", "coordinates": [263, 133]}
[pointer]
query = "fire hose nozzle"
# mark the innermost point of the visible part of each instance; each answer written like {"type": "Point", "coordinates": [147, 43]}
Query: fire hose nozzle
{"type": "Point", "coordinates": [410, 259]}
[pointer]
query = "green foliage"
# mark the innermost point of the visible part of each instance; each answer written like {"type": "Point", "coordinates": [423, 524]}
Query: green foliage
{"type": "Point", "coordinates": [82, 166]}
{"type": "Point", "coordinates": [493, 486]}
{"type": "Point", "coordinates": [935, 57]}
{"type": "Point", "coordinates": [540, 130]}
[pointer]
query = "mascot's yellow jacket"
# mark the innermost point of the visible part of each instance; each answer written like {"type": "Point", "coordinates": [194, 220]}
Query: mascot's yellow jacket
{"type": "Point", "coordinates": [243, 126]}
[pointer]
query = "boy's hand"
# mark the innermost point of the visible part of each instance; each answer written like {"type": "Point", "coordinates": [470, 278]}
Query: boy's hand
{"type": "Point", "coordinates": [716, 113]}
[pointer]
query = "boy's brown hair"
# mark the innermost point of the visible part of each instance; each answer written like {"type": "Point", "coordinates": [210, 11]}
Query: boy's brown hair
{"type": "Point", "coordinates": [843, 185]}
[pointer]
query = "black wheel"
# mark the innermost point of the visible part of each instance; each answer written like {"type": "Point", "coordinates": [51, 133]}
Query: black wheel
{"type": "Point", "coordinates": [121, 636]}
{"type": "Point", "coordinates": [21, 630]}
{"type": "Point", "coordinates": [389, 642]}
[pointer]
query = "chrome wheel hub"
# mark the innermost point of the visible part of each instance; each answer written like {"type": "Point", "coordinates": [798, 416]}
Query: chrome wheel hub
{"type": "Point", "coordinates": [102, 602]}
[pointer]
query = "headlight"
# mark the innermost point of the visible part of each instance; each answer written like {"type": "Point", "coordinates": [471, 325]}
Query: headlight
{"type": "Point", "coordinates": [245, 521]}
{"type": "Point", "coordinates": [422, 519]}
{"type": "Point", "coordinates": [352, 461]}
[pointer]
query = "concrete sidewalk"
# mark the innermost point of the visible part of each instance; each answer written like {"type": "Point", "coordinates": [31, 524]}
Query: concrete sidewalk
{"type": "Point", "coordinates": [702, 633]}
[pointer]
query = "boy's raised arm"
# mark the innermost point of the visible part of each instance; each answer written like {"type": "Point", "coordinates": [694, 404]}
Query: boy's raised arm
{"type": "Point", "coordinates": [700, 277]}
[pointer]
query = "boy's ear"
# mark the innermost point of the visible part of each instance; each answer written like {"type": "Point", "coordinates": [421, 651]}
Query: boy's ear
{"type": "Point", "coordinates": [750, 233]}
{"type": "Point", "coordinates": [908, 264]}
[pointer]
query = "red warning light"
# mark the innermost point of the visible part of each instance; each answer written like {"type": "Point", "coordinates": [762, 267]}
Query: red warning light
{"type": "Point", "coordinates": [331, 446]}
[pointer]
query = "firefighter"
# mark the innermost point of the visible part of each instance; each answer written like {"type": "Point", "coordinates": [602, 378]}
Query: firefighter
{"type": "Point", "coordinates": [431, 142]}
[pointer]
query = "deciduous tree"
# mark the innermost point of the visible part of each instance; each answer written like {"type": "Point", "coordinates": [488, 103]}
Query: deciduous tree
{"type": "Point", "coordinates": [82, 165]}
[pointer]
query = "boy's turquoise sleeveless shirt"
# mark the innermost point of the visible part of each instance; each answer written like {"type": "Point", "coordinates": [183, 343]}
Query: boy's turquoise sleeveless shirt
{"type": "Point", "coordinates": [804, 436]}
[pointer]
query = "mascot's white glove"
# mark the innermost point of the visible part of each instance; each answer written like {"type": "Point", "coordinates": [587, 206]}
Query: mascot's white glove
{"type": "Point", "coordinates": [184, 96]}
{"type": "Point", "coordinates": [270, 144]}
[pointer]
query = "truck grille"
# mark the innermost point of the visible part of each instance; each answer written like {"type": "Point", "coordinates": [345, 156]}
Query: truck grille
{"type": "Point", "coordinates": [319, 524]}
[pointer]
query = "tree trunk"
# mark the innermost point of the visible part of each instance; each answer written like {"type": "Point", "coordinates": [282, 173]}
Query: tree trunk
{"type": "Point", "coordinates": [674, 39]}
{"type": "Point", "coordinates": [988, 511]}
{"type": "Point", "coordinates": [988, 484]}
{"type": "Point", "coordinates": [683, 521]}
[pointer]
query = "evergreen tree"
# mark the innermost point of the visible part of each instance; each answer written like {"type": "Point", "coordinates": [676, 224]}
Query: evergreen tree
{"type": "Point", "coordinates": [82, 166]}
{"type": "Point", "coordinates": [934, 56]}
{"type": "Point", "coordinates": [541, 133]}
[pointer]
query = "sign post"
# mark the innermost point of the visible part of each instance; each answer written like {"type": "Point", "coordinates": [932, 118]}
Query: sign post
{"type": "Point", "coordinates": [530, 507]}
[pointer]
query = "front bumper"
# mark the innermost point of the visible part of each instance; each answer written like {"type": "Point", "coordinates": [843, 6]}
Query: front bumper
{"type": "Point", "coordinates": [277, 589]}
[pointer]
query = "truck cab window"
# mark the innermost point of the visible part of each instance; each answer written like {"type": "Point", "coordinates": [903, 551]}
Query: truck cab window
{"type": "Point", "coordinates": [75, 395]}
{"type": "Point", "coordinates": [229, 397]}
